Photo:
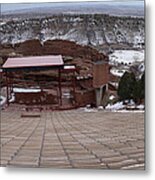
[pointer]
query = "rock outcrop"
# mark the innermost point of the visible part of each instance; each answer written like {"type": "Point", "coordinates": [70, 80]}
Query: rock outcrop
{"type": "Point", "coordinates": [96, 30]}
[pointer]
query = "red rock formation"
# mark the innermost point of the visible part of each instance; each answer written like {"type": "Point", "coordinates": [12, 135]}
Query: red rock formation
{"type": "Point", "coordinates": [63, 47]}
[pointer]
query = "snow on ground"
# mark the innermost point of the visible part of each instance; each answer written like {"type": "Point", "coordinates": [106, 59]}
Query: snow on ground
{"type": "Point", "coordinates": [25, 90]}
{"type": "Point", "coordinates": [90, 110]}
{"type": "Point", "coordinates": [116, 106]}
{"type": "Point", "coordinates": [126, 56]}
{"type": "Point", "coordinates": [2, 100]}
{"type": "Point", "coordinates": [141, 106]}
{"type": "Point", "coordinates": [141, 67]}
{"type": "Point", "coordinates": [69, 67]}
{"type": "Point", "coordinates": [66, 95]}
{"type": "Point", "coordinates": [131, 111]}
{"type": "Point", "coordinates": [2, 23]}
{"type": "Point", "coordinates": [12, 98]}
{"type": "Point", "coordinates": [111, 97]}
{"type": "Point", "coordinates": [115, 84]}
{"type": "Point", "coordinates": [120, 107]}
{"type": "Point", "coordinates": [117, 72]}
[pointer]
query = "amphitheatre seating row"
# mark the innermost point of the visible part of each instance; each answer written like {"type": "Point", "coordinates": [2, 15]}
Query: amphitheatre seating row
{"type": "Point", "coordinates": [32, 98]}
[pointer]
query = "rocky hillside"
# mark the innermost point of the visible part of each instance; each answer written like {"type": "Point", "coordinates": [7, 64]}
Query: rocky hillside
{"type": "Point", "coordinates": [94, 30]}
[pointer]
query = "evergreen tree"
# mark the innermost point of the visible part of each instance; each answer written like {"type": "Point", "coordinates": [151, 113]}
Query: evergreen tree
{"type": "Point", "coordinates": [130, 88]}
{"type": "Point", "coordinates": [126, 86]}
{"type": "Point", "coordinates": [139, 92]}
{"type": "Point", "coordinates": [143, 86]}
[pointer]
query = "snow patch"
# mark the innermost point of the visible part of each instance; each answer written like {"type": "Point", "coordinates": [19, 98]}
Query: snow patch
{"type": "Point", "coordinates": [116, 106]}
{"type": "Point", "coordinates": [2, 100]}
{"type": "Point", "coordinates": [130, 111]}
{"type": "Point", "coordinates": [126, 56]}
{"type": "Point", "coordinates": [69, 67]}
{"type": "Point", "coordinates": [141, 106]}
{"type": "Point", "coordinates": [12, 98]}
{"type": "Point", "coordinates": [117, 72]}
{"type": "Point", "coordinates": [111, 97]}
{"type": "Point", "coordinates": [100, 108]}
{"type": "Point", "coordinates": [25, 90]}
{"type": "Point", "coordinates": [130, 107]}
{"type": "Point", "coordinates": [2, 23]}
{"type": "Point", "coordinates": [141, 67]}
{"type": "Point", "coordinates": [90, 110]}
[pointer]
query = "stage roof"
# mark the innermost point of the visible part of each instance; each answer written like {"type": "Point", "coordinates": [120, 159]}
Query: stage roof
{"type": "Point", "coordinates": [33, 61]}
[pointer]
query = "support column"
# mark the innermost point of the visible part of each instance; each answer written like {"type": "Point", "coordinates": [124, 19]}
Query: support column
{"type": "Point", "coordinates": [7, 88]}
{"type": "Point", "coordinates": [107, 87]}
{"type": "Point", "coordinates": [74, 85]}
{"type": "Point", "coordinates": [10, 86]}
{"type": "Point", "coordinates": [99, 93]}
{"type": "Point", "coordinates": [60, 89]}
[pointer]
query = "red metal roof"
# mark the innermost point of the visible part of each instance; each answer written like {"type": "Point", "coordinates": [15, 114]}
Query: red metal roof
{"type": "Point", "coordinates": [33, 61]}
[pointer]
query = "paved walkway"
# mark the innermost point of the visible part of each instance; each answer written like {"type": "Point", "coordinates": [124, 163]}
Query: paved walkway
{"type": "Point", "coordinates": [73, 139]}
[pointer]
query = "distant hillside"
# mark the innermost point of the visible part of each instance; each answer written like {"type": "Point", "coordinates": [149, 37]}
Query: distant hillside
{"type": "Point", "coordinates": [118, 8]}
{"type": "Point", "coordinates": [94, 30]}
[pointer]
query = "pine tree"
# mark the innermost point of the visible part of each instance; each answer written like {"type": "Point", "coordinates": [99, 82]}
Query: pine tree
{"type": "Point", "coordinates": [126, 86]}
{"type": "Point", "coordinates": [139, 92]}
{"type": "Point", "coordinates": [143, 86]}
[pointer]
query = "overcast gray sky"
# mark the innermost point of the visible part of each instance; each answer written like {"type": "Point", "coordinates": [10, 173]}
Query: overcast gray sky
{"type": "Point", "coordinates": [19, 6]}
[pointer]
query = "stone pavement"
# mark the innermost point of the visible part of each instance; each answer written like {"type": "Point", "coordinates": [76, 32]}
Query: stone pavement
{"type": "Point", "coordinates": [73, 139]}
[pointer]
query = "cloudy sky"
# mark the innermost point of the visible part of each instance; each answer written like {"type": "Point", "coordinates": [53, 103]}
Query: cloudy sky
{"type": "Point", "coordinates": [6, 7]}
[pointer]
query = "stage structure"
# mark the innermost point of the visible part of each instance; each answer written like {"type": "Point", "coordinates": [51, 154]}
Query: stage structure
{"type": "Point", "coordinates": [38, 63]}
